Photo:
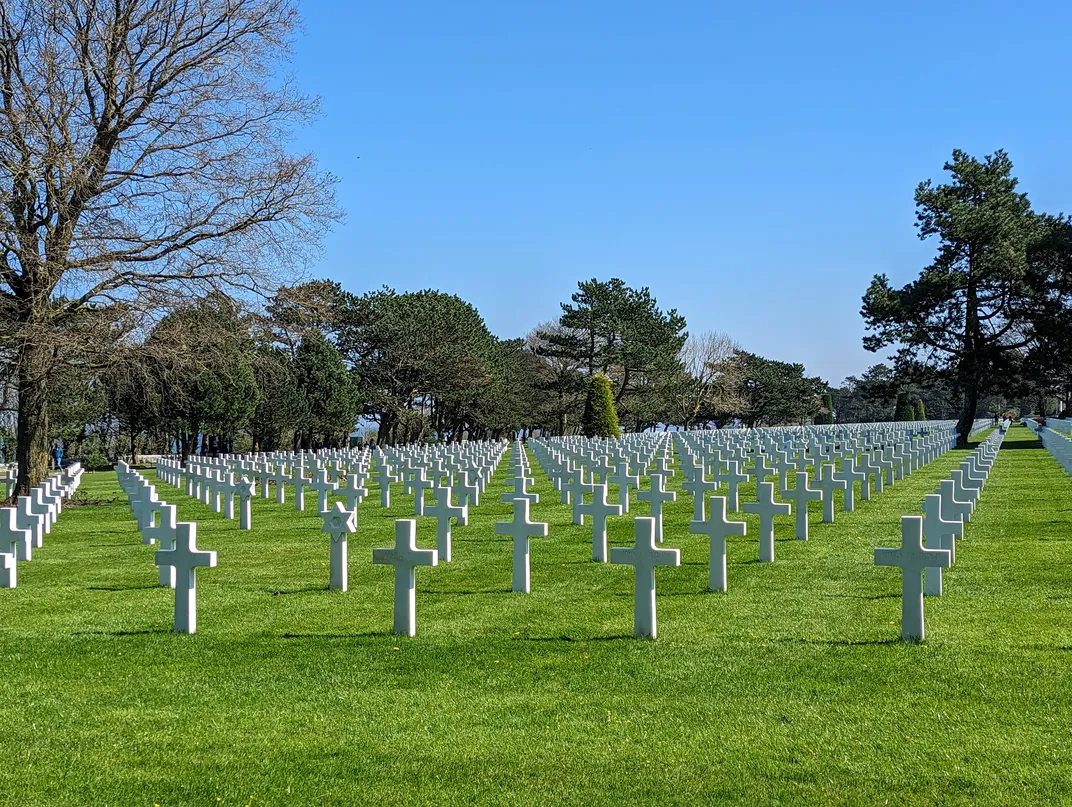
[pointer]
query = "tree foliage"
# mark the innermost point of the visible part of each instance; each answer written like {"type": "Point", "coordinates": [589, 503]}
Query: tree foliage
{"type": "Point", "coordinates": [969, 313]}
{"type": "Point", "coordinates": [600, 417]}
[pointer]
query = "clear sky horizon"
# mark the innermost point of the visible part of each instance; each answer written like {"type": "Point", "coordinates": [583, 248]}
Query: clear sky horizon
{"type": "Point", "coordinates": [753, 164]}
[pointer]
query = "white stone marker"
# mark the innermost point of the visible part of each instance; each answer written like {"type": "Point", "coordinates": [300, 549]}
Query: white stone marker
{"type": "Point", "coordinates": [164, 533]}
{"type": "Point", "coordinates": [8, 570]}
{"type": "Point", "coordinates": [13, 541]}
{"type": "Point", "coordinates": [800, 496]}
{"type": "Point", "coordinates": [338, 523]}
{"type": "Point", "coordinates": [940, 534]}
{"type": "Point", "coordinates": [766, 508]}
{"type": "Point", "coordinates": [521, 529]}
{"type": "Point", "coordinates": [828, 483]}
{"type": "Point", "coordinates": [698, 487]}
{"type": "Point", "coordinates": [644, 556]}
{"type": "Point", "coordinates": [185, 558]}
{"type": "Point", "coordinates": [849, 473]}
{"type": "Point", "coordinates": [655, 496]}
{"type": "Point", "coordinates": [733, 479]}
{"type": "Point", "coordinates": [599, 509]}
{"type": "Point", "coordinates": [716, 527]}
{"type": "Point", "coordinates": [323, 486]}
{"type": "Point", "coordinates": [405, 557]}
{"type": "Point", "coordinates": [244, 490]}
{"type": "Point", "coordinates": [913, 558]}
{"type": "Point", "coordinates": [384, 479]}
{"type": "Point", "coordinates": [26, 519]}
{"type": "Point", "coordinates": [443, 511]}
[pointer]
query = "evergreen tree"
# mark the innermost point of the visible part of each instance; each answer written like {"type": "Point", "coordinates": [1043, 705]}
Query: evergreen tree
{"type": "Point", "coordinates": [600, 417]}
{"type": "Point", "coordinates": [905, 410]}
{"type": "Point", "coordinates": [921, 410]}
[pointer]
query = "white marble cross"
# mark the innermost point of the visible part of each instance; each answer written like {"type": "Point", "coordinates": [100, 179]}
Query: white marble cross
{"type": "Point", "coordinates": [698, 487]}
{"type": "Point", "coordinates": [26, 519]}
{"type": "Point", "coordinates": [443, 511]}
{"type": "Point", "coordinates": [599, 509]}
{"type": "Point", "coordinates": [419, 484]}
{"type": "Point", "coordinates": [521, 529]}
{"type": "Point", "coordinates": [849, 473]}
{"type": "Point", "coordinates": [405, 557]}
{"type": "Point", "coordinates": [644, 556]}
{"type": "Point", "coordinates": [185, 558]}
{"type": "Point", "coordinates": [828, 483]}
{"type": "Point", "coordinates": [940, 534]}
{"type": "Point", "coordinates": [952, 505]}
{"type": "Point", "coordinates": [800, 496]}
{"type": "Point", "coordinates": [912, 558]}
{"type": "Point", "coordinates": [8, 570]}
{"type": "Point", "coordinates": [352, 492]}
{"type": "Point", "coordinates": [733, 479]}
{"type": "Point", "coordinates": [624, 480]}
{"type": "Point", "coordinates": [13, 541]}
{"type": "Point", "coordinates": [163, 533]}
{"type": "Point", "coordinates": [655, 496]}
{"type": "Point", "coordinates": [323, 486]}
{"type": "Point", "coordinates": [716, 528]}
{"type": "Point", "coordinates": [338, 523]}
{"type": "Point", "coordinates": [766, 508]}
{"type": "Point", "coordinates": [384, 478]}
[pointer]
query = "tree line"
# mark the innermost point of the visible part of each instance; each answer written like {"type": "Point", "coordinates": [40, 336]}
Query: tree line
{"type": "Point", "coordinates": [215, 374]}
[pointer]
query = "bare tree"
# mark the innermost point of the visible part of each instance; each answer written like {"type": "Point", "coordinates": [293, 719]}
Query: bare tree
{"type": "Point", "coordinates": [142, 156]}
{"type": "Point", "coordinates": [711, 379]}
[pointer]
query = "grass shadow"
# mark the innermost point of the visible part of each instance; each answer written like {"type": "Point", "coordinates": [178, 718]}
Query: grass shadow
{"type": "Point", "coordinates": [124, 588]}
{"type": "Point", "coordinates": [892, 596]}
{"type": "Point", "coordinates": [844, 642]}
{"type": "Point", "coordinates": [564, 638]}
{"type": "Point", "coordinates": [121, 633]}
{"type": "Point", "coordinates": [367, 635]}
{"type": "Point", "coordinates": [303, 590]}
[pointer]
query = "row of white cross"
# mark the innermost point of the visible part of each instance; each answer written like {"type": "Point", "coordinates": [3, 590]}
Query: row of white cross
{"type": "Point", "coordinates": [942, 522]}
{"type": "Point", "coordinates": [178, 557]}
{"type": "Point", "coordinates": [23, 527]}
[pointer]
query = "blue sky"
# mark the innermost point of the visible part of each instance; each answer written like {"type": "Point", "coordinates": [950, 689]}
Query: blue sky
{"type": "Point", "coordinates": [753, 163]}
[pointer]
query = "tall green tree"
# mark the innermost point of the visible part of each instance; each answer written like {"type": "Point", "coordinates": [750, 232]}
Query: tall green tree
{"type": "Point", "coordinates": [328, 391]}
{"type": "Point", "coordinates": [969, 312]}
{"type": "Point", "coordinates": [600, 417]}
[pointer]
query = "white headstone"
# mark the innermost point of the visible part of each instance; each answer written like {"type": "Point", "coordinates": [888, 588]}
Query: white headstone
{"type": "Point", "coordinates": [644, 556]}
{"type": "Point", "coordinates": [185, 558]}
{"type": "Point", "coordinates": [521, 529]}
{"type": "Point", "coordinates": [716, 528]}
{"type": "Point", "coordinates": [338, 523]}
{"type": "Point", "coordinates": [405, 557]}
{"type": "Point", "coordinates": [766, 508]}
{"type": "Point", "coordinates": [912, 558]}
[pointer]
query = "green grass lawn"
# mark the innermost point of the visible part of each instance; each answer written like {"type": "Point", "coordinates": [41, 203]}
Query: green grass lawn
{"type": "Point", "coordinates": [791, 688]}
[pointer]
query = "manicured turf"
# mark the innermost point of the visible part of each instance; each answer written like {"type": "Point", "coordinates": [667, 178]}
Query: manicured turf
{"type": "Point", "coordinates": [791, 688]}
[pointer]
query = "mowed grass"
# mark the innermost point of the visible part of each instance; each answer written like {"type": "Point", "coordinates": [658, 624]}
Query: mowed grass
{"type": "Point", "coordinates": [791, 688]}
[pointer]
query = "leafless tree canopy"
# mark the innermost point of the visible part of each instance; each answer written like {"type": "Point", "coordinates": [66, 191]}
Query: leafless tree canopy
{"type": "Point", "coordinates": [142, 154]}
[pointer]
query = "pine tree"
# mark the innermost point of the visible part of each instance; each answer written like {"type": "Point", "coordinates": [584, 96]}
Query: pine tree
{"type": "Point", "coordinates": [600, 417]}
{"type": "Point", "coordinates": [921, 411]}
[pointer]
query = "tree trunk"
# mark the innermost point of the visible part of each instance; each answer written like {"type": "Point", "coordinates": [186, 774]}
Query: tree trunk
{"type": "Point", "coordinates": [32, 432]}
{"type": "Point", "coordinates": [967, 414]}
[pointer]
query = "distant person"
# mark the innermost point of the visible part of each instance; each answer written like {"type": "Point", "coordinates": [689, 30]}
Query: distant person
{"type": "Point", "coordinates": [57, 456]}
